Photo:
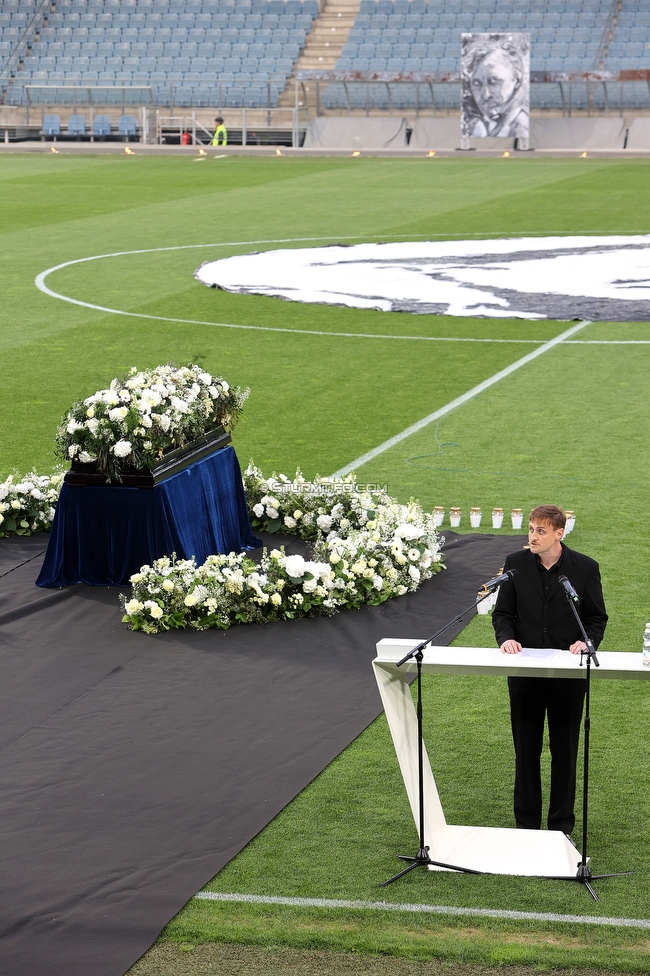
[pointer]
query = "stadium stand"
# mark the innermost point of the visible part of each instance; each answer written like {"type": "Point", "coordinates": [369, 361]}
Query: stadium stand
{"type": "Point", "coordinates": [211, 52]}
{"type": "Point", "coordinates": [404, 36]}
{"type": "Point", "coordinates": [240, 53]}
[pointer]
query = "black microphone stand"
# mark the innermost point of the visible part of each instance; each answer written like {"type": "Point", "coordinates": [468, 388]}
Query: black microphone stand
{"type": "Point", "coordinates": [584, 875]}
{"type": "Point", "coordinates": [422, 858]}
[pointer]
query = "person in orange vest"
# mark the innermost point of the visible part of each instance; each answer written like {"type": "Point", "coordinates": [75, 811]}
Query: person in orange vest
{"type": "Point", "coordinates": [221, 133]}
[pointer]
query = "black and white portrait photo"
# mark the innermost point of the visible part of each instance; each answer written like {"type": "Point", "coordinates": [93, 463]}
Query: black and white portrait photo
{"type": "Point", "coordinates": [495, 79]}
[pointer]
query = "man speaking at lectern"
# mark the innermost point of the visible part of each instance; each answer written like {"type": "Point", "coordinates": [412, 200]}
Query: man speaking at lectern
{"type": "Point", "coordinates": [532, 611]}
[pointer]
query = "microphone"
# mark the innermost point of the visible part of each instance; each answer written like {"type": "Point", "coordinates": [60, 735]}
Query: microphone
{"type": "Point", "coordinates": [498, 580]}
{"type": "Point", "coordinates": [569, 588]}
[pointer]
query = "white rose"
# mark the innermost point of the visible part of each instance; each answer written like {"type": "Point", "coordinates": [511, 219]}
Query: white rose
{"type": "Point", "coordinates": [167, 585]}
{"type": "Point", "coordinates": [334, 558]}
{"type": "Point", "coordinates": [156, 611]}
{"type": "Point", "coordinates": [16, 504]}
{"type": "Point", "coordinates": [133, 606]}
{"type": "Point", "coordinates": [290, 522]}
{"type": "Point", "coordinates": [122, 449]}
{"type": "Point", "coordinates": [272, 512]}
{"type": "Point", "coordinates": [414, 573]}
{"type": "Point", "coordinates": [309, 585]}
{"type": "Point", "coordinates": [117, 414]}
{"type": "Point", "coordinates": [73, 425]}
{"type": "Point", "coordinates": [295, 566]}
{"type": "Point", "coordinates": [92, 425]}
{"type": "Point", "coordinates": [400, 559]}
{"type": "Point", "coordinates": [324, 522]}
{"type": "Point", "coordinates": [401, 590]}
{"type": "Point", "coordinates": [408, 531]}
{"type": "Point", "coordinates": [297, 514]}
{"type": "Point", "coordinates": [137, 577]}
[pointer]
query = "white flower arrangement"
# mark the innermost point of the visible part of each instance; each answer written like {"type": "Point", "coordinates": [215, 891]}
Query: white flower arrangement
{"type": "Point", "coordinates": [130, 425]}
{"type": "Point", "coordinates": [27, 503]}
{"type": "Point", "coordinates": [367, 548]}
{"type": "Point", "coordinates": [176, 593]}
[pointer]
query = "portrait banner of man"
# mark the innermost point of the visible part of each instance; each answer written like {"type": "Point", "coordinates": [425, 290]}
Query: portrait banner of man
{"type": "Point", "coordinates": [495, 87]}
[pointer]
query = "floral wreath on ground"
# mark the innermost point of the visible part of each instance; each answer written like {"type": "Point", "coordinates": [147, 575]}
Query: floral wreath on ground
{"type": "Point", "coordinates": [366, 548]}
{"type": "Point", "coordinates": [138, 418]}
{"type": "Point", "coordinates": [27, 502]}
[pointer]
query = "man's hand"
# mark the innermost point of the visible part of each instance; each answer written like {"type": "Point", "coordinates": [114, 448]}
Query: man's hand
{"type": "Point", "coordinates": [511, 647]}
{"type": "Point", "coordinates": [578, 647]}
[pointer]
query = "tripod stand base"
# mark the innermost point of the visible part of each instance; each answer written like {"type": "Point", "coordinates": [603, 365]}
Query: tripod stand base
{"type": "Point", "coordinates": [422, 860]}
{"type": "Point", "coordinates": [584, 877]}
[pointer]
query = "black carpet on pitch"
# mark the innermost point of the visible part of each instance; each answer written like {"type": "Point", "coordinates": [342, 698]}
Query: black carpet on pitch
{"type": "Point", "coordinates": [133, 768]}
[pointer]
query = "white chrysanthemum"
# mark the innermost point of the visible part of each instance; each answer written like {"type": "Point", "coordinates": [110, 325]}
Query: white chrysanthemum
{"type": "Point", "coordinates": [290, 522]}
{"type": "Point", "coordinates": [73, 425]}
{"type": "Point", "coordinates": [110, 398]}
{"type": "Point", "coordinates": [276, 599]}
{"type": "Point", "coordinates": [93, 425]}
{"type": "Point", "coordinates": [272, 513]}
{"type": "Point", "coordinates": [414, 573]}
{"type": "Point", "coordinates": [377, 582]}
{"type": "Point", "coordinates": [258, 510]}
{"type": "Point", "coordinates": [86, 458]}
{"type": "Point", "coordinates": [309, 585]}
{"type": "Point", "coordinates": [122, 449]}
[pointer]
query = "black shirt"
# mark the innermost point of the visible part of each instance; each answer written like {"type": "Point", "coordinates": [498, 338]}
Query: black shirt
{"type": "Point", "coordinates": [549, 577]}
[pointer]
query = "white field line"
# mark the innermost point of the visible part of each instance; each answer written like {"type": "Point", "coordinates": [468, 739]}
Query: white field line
{"type": "Point", "coordinates": [40, 284]}
{"type": "Point", "coordinates": [458, 402]}
{"type": "Point", "coordinates": [384, 906]}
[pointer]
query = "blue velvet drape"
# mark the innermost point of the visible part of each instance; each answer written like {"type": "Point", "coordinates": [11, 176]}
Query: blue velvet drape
{"type": "Point", "coordinates": [101, 536]}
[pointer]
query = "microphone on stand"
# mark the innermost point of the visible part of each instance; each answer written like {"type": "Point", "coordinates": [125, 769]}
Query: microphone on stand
{"type": "Point", "coordinates": [569, 588]}
{"type": "Point", "coordinates": [498, 580]}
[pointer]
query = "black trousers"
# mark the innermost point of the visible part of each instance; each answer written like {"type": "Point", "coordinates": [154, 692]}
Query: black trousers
{"type": "Point", "coordinates": [531, 701]}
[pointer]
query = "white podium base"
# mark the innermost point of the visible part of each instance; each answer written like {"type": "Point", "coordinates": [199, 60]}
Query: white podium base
{"type": "Point", "coordinates": [503, 850]}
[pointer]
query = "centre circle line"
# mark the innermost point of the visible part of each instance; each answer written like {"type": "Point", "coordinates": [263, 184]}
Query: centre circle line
{"type": "Point", "coordinates": [40, 279]}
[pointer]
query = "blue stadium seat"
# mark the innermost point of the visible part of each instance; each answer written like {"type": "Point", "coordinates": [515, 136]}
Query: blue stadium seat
{"type": "Point", "coordinates": [51, 125]}
{"type": "Point", "coordinates": [101, 126]}
{"type": "Point", "coordinates": [77, 125]}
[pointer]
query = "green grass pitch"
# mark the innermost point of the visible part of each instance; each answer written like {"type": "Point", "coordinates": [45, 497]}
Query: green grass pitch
{"type": "Point", "coordinates": [571, 427]}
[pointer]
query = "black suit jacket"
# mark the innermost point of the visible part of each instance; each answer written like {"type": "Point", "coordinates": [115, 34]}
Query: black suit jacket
{"type": "Point", "coordinates": [522, 614]}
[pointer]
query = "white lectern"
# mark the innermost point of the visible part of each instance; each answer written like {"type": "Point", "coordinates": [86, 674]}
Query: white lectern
{"type": "Point", "coordinates": [489, 850]}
